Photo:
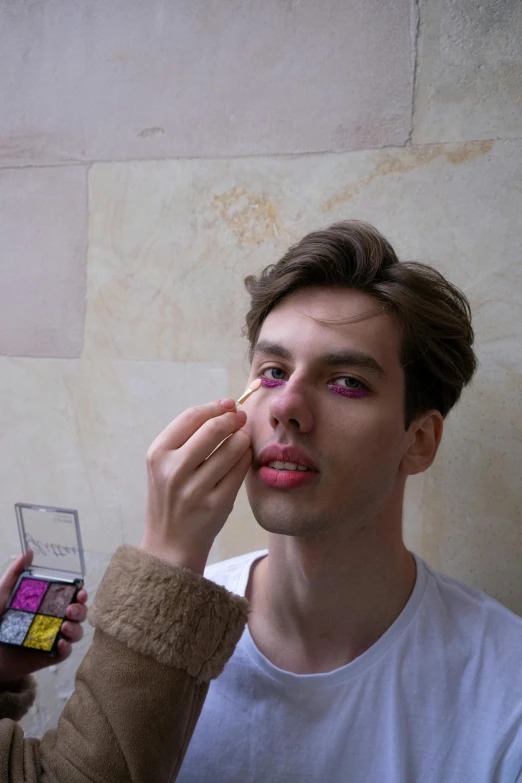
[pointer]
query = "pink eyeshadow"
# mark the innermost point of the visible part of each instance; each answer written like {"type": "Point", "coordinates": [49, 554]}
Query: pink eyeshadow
{"type": "Point", "coordinates": [29, 595]}
{"type": "Point", "coordinates": [267, 383]}
{"type": "Point", "coordinates": [348, 392]}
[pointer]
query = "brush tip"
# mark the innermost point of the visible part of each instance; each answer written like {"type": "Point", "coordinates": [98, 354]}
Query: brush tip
{"type": "Point", "coordinates": [254, 386]}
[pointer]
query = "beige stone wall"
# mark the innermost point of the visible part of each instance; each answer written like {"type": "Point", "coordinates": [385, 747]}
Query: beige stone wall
{"type": "Point", "coordinates": [153, 154]}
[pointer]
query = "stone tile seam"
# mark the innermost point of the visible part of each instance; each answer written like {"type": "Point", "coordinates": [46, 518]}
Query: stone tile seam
{"type": "Point", "coordinates": [86, 216]}
{"type": "Point", "coordinates": [110, 360]}
{"type": "Point", "coordinates": [415, 37]}
{"type": "Point", "coordinates": [258, 156]}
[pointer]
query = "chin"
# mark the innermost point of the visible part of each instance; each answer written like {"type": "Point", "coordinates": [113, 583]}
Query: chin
{"type": "Point", "coordinates": [286, 519]}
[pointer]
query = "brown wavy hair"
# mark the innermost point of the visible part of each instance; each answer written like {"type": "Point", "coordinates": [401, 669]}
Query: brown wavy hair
{"type": "Point", "coordinates": [435, 316]}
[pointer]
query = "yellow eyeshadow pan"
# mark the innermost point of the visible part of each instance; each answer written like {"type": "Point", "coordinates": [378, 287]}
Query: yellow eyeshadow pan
{"type": "Point", "coordinates": [43, 632]}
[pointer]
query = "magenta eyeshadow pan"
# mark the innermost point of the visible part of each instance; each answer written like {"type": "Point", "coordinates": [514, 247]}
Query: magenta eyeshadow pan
{"type": "Point", "coordinates": [29, 594]}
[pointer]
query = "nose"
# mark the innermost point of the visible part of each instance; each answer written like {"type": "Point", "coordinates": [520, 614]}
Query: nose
{"type": "Point", "coordinates": [290, 407]}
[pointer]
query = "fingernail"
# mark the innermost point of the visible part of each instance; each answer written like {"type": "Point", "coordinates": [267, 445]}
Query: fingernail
{"type": "Point", "coordinates": [228, 404]}
{"type": "Point", "coordinates": [72, 613]}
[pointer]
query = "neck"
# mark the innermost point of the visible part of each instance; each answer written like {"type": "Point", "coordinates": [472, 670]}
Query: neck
{"type": "Point", "coordinates": [318, 603]}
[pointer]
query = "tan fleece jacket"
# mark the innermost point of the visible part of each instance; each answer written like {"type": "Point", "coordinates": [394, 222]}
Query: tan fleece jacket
{"type": "Point", "coordinates": [162, 634]}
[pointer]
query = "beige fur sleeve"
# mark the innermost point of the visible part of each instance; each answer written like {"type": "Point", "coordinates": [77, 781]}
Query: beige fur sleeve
{"type": "Point", "coordinates": [16, 697]}
{"type": "Point", "coordinates": [171, 614]}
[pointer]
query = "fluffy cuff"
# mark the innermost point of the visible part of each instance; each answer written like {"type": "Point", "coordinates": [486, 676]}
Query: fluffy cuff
{"type": "Point", "coordinates": [16, 697]}
{"type": "Point", "coordinates": [171, 614]}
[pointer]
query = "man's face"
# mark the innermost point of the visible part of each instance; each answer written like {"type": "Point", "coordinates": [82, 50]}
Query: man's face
{"type": "Point", "coordinates": [335, 406]}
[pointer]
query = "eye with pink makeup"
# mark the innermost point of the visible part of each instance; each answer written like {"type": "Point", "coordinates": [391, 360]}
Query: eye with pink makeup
{"type": "Point", "coordinates": [269, 381]}
{"type": "Point", "coordinates": [352, 388]}
{"type": "Point", "coordinates": [354, 391]}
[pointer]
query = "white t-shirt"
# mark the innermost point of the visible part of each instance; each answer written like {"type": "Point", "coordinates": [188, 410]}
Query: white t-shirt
{"type": "Point", "coordinates": [437, 699]}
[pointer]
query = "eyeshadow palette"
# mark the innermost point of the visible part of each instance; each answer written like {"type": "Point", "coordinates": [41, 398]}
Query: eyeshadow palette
{"type": "Point", "coordinates": [36, 608]}
{"type": "Point", "coordinates": [36, 611]}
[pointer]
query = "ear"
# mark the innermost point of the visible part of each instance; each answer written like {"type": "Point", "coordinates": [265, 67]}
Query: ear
{"type": "Point", "coordinates": [422, 439]}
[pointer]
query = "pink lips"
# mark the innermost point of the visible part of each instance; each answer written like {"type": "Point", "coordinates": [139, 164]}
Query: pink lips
{"type": "Point", "coordinates": [286, 479]}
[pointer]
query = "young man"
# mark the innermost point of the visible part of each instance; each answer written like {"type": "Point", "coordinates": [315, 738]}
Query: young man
{"type": "Point", "coordinates": [359, 663]}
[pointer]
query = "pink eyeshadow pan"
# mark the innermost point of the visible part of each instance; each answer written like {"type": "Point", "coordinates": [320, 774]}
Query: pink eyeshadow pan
{"type": "Point", "coordinates": [29, 595]}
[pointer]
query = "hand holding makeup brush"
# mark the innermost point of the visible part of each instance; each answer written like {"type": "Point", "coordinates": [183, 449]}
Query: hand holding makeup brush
{"type": "Point", "coordinates": [16, 663]}
{"type": "Point", "coordinates": [191, 494]}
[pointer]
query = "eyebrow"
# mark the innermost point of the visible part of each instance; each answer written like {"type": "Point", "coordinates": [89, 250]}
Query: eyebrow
{"type": "Point", "coordinates": [348, 358]}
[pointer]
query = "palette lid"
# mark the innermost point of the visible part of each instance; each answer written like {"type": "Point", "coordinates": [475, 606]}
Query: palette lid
{"type": "Point", "coordinates": [54, 536]}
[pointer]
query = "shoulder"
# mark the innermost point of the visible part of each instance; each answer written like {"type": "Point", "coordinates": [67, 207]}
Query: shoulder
{"type": "Point", "coordinates": [467, 645]}
{"type": "Point", "coordinates": [233, 573]}
{"type": "Point", "coordinates": [463, 598]}
{"type": "Point", "coordinates": [479, 621]}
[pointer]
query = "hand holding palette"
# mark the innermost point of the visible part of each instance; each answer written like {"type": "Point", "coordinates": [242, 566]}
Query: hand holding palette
{"type": "Point", "coordinates": [36, 608]}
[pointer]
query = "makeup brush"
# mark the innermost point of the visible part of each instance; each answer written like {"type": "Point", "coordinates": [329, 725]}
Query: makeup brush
{"type": "Point", "coordinates": [254, 386]}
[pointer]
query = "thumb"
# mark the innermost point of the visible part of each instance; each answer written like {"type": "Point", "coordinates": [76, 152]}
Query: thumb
{"type": "Point", "coordinates": [9, 579]}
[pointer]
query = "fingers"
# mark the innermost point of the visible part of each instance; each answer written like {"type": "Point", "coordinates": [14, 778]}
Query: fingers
{"type": "Point", "coordinates": [76, 612]}
{"type": "Point", "coordinates": [82, 597]}
{"type": "Point", "coordinates": [212, 471]}
{"type": "Point", "coordinates": [9, 579]}
{"type": "Point", "coordinates": [229, 486]}
{"type": "Point", "coordinates": [207, 438]}
{"type": "Point", "coordinates": [72, 632]}
{"type": "Point", "coordinates": [13, 572]}
{"type": "Point", "coordinates": [189, 422]}
{"type": "Point", "coordinates": [63, 651]}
